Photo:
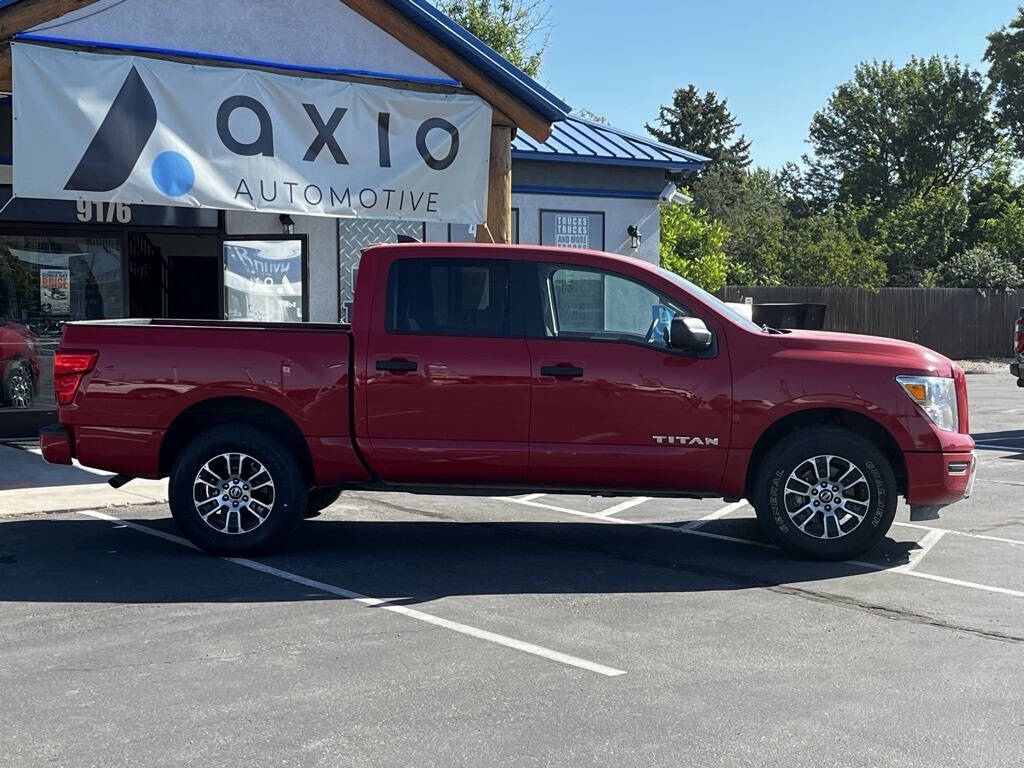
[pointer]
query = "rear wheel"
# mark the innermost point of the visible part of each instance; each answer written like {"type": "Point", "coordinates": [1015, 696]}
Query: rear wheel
{"type": "Point", "coordinates": [18, 387]}
{"type": "Point", "coordinates": [825, 493]}
{"type": "Point", "coordinates": [236, 490]}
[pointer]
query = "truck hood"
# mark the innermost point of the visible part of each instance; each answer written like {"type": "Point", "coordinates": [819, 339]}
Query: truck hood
{"type": "Point", "coordinates": [913, 356]}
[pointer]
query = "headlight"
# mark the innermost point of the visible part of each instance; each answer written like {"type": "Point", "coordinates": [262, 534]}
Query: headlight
{"type": "Point", "coordinates": [936, 396]}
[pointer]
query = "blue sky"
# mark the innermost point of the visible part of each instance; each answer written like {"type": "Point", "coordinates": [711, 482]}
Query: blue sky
{"type": "Point", "coordinates": [776, 62]}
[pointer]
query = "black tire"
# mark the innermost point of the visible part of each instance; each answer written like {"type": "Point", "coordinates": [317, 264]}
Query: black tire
{"type": "Point", "coordinates": [874, 497]}
{"type": "Point", "coordinates": [286, 500]}
{"type": "Point", "coordinates": [18, 387]}
{"type": "Point", "coordinates": [319, 499]}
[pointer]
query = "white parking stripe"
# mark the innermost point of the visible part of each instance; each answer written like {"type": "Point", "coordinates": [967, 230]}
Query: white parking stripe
{"type": "Point", "coordinates": [997, 447]}
{"type": "Point", "coordinates": [924, 546]}
{"type": "Point", "coordinates": [622, 507]}
{"type": "Point", "coordinates": [530, 496]}
{"type": "Point", "coordinates": [716, 515]}
{"type": "Point", "coordinates": [901, 570]}
{"type": "Point", "coordinates": [982, 536]}
{"type": "Point", "coordinates": [454, 626]}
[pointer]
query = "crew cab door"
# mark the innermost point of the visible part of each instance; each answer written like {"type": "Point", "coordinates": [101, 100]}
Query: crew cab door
{"type": "Point", "coordinates": [613, 407]}
{"type": "Point", "coordinates": [448, 372]}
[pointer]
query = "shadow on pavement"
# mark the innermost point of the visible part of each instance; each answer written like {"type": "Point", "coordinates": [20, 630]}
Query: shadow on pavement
{"type": "Point", "coordinates": [73, 560]}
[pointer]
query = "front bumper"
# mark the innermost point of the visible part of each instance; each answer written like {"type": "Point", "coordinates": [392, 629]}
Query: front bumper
{"type": "Point", "coordinates": [938, 479]}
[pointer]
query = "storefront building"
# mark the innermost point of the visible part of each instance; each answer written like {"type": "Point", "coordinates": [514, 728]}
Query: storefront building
{"type": "Point", "coordinates": [573, 182]}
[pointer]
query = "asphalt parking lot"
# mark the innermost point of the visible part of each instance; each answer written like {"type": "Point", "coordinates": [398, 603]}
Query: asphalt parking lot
{"type": "Point", "coordinates": [545, 630]}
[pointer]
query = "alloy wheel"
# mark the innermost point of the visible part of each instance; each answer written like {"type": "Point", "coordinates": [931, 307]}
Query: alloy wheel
{"type": "Point", "coordinates": [233, 493]}
{"type": "Point", "coordinates": [827, 497]}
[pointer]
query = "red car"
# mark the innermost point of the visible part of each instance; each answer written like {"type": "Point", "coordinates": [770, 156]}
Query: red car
{"type": "Point", "coordinates": [19, 365]}
{"type": "Point", "coordinates": [502, 369]}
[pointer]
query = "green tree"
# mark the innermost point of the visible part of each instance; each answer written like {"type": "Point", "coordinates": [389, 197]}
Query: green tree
{"type": "Point", "coordinates": [988, 198]}
{"type": "Point", "coordinates": [752, 209]}
{"type": "Point", "coordinates": [517, 29]}
{"type": "Point", "coordinates": [981, 267]}
{"type": "Point", "coordinates": [921, 233]}
{"type": "Point", "coordinates": [895, 133]}
{"type": "Point", "coordinates": [828, 250]}
{"type": "Point", "coordinates": [702, 124]}
{"type": "Point", "coordinates": [1005, 55]}
{"type": "Point", "coordinates": [1005, 233]}
{"type": "Point", "coordinates": [692, 245]}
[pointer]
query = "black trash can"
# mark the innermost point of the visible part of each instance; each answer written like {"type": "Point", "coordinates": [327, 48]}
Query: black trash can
{"type": "Point", "coordinates": [804, 316]}
{"type": "Point", "coordinates": [778, 315]}
{"type": "Point", "coordinates": [814, 317]}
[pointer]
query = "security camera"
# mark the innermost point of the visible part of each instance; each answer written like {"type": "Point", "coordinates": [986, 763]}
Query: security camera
{"type": "Point", "coordinates": [671, 194]}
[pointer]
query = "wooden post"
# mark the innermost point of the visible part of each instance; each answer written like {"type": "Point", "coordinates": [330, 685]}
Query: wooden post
{"type": "Point", "coordinates": [499, 189]}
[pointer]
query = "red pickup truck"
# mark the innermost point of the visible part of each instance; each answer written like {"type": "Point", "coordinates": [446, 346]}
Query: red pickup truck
{"type": "Point", "coordinates": [504, 369]}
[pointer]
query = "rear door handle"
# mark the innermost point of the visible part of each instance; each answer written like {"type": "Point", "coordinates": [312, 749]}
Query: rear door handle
{"type": "Point", "coordinates": [564, 371]}
{"type": "Point", "coordinates": [396, 365]}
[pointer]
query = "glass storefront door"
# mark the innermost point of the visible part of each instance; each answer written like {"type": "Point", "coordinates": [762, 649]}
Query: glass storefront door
{"type": "Point", "coordinates": [46, 281]}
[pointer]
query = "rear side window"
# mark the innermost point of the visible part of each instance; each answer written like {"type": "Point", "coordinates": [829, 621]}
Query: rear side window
{"type": "Point", "coordinates": [450, 297]}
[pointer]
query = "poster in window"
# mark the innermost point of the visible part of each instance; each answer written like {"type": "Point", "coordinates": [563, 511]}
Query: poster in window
{"type": "Point", "coordinates": [55, 291]}
{"type": "Point", "coordinates": [572, 229]}
{"type": "Point", "coordinates": [263, 280]}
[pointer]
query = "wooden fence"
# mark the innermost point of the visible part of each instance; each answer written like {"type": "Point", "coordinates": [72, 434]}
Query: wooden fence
{"type": "Point", "coordinates": [958, 322]}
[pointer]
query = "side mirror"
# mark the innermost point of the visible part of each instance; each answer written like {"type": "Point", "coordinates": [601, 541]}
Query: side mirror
{"type": "Point", "coordinates": [689, 334]}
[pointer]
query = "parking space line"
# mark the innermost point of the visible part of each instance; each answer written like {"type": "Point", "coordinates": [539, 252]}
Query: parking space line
{"type": "Point", "coordinates": [531, 496]}
{"type": "Point", "coordinates": [728, 510]}
{"type": "Point", "coordinates": [985, 537]}
{"type": "Point", "coordinates": [1008, 448]}
{"type": "Point", "coordinates": [924, 546]}
{"type": "Point", "coordinates": [622, 507]}
{"type": "Point", "coordinates": [900, 570]}
{"type": "Point", "coordinates": [373, 602]}
{"type": "Point", "coordinates": [962, 583]}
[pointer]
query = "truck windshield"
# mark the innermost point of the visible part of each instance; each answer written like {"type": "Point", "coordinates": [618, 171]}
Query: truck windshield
{"type": "Point", "coordinates": [711, 299]}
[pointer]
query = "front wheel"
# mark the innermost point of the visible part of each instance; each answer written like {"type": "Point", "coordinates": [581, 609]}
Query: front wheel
{"type": "Point", "coordinates": [236, 490]}
{"type": "Point", "coordinates": [825, 493]}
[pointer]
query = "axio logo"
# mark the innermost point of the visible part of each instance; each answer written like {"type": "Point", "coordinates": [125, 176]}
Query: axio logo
{"type": "Point", "coordinates": [115, 149]}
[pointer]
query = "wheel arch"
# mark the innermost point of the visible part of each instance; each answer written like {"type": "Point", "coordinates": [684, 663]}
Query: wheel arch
{"type": "Point", "coordinates": [225, 411]}
{"type": "Point", "coordinates": [855, 422]}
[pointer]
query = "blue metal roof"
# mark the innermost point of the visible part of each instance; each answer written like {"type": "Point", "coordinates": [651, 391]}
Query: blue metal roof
{"type": "Point", "coordinates": [481, 56]}
{"type": "Point", "coordinates": [577, 140]}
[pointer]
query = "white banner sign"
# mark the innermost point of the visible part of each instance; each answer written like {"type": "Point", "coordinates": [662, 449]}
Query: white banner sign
{"type": "Point", "coordinates": [136, 130]}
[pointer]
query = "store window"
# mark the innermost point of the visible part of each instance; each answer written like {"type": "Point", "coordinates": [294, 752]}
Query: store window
{"type": "Point", "coordinates": [572, 229]}
{"type": "Point", "coordinates": [44, 282]}
{"type": "Point", "coordinates": [264, 280]}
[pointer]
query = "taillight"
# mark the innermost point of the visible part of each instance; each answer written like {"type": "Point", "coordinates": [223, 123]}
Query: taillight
{"type": "Point", "coordinates": [68, 370]}
{"type": "Point", "coordinates": [1018, 336]}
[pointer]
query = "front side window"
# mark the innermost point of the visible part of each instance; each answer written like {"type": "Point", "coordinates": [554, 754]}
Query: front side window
{"type": "Point", "coordinates": [592, 304]}
{"type": "Point", "coordinates": [450, 297]}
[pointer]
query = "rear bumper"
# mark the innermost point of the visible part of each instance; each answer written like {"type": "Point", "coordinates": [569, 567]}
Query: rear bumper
{"type": "Point", "coordinates": [55, 443]}
{"type": "Point", "coordinates": [938, 479]}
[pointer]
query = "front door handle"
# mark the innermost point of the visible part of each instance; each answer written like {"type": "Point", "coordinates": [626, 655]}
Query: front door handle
{"type": "Point", "coordinates": [562, 371]}
{"type": "Point", "coordinates": [396, 365]}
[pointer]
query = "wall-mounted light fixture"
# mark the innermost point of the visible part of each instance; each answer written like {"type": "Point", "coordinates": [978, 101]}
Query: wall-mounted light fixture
{"type": "Point", "coordinates": [635, 238]}
{"type": "Point", "coordinates": [287, 224]}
